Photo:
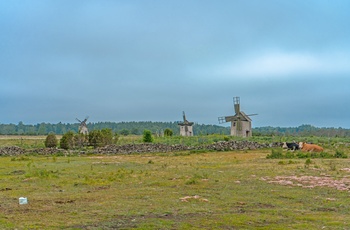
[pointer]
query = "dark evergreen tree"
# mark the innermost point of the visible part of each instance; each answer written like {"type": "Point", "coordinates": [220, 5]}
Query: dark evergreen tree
{"type": "Point", "coordinates": [51, 141]}
{"type": "Point", "coordinates": [67, 140]}
{"type": "Point", "coordinates": [147, 136]}
{"type": "Point", "coordinates": [95, 138]}
{"type": "Point", "coordinates": [107, 137]}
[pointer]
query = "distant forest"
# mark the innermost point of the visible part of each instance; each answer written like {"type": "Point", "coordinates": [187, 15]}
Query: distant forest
{"type": "Point", "coordinates": [157, 128]}
{"type": "Point", "coordinates": [123, 128]}
{"type": "Point", "coordinates": [303, 130]}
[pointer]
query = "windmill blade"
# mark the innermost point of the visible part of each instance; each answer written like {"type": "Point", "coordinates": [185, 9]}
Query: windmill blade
{"type": "Point", "coordinates": [78, 120]}
{"type": "Point", "coordinates": [222, 120]}
{"type": "Point", "coordinates": [237, 109]}
{"type": "Point", "coordinates": [184, 116]}
{"type": "Point", "coordinates": [254, 114]}
{"type": "Point", "coordinates": [236, 102]}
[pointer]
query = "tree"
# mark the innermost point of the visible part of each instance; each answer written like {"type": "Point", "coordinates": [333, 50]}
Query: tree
{"type": "Point", "coordinates": [147, 136]}
{"type": "Point", "coordinates": [107, 137]}
{"type": "Point", "coordinates": [95, 138]}
{"type": "Point", "coordinates": [42, 129]}
{"type": "Point", "coordinates": [135, 131]}
{"type": "Point", "coordinates": [168, 132]}
{"type": "Point", "coordinates": [51, 141]}
{"type": "Point", "coordinates": [67, 140]}
{"type": "Point", "coordinates": [99, 138]}
{"type": "Point", "coordinates": [124, 132]}
{"type": "Point", "coordinates": [80, 140]}
{"type": "Point", "coordinates": [20, 128]}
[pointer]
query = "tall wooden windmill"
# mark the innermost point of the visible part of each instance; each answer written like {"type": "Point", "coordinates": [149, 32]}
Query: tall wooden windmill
{"type": "Point", "coordinates": [83, 127]}
{"type": "Point", "coordinates": [241, 124]}
{"type": "Point", "coordinates": [186, 128]}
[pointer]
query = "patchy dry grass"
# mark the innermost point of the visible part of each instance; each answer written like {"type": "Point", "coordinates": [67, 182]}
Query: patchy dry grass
{"type": "Point", "coordinates": [23, 141]}
{"type": "Point", "coordinates": [217, 190]}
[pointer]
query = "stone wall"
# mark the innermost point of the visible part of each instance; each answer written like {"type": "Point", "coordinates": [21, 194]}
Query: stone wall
{"type": "Point", "coordinates": [149, 148]}
{"type": "Point", "coordinates": [11, 151]}
{"type": "Point", "coordinates": [143, 148]}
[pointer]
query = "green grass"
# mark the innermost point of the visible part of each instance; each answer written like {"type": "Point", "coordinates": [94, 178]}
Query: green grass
{"type": "Point", "coordinates": [332, 144]}
{"type": "Point", "coordinates": [144, 191]}
{"type": "Point", "coordinates": [23, 141]}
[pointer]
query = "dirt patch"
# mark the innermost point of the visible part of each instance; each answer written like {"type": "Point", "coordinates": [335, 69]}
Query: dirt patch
{"type": "Point", "coordinates": [310, 182]}
{"type": "Point", "coordinates": [195, 197]}
{"type": "Point", "coordinates": [64, 201]}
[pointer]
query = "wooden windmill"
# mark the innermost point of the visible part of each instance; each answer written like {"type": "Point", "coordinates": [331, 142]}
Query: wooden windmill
{"type": "Point", "coordinates": [186, 128]}
{"type": "Point", "coordinates": [83, 127]}
{"type": "Point", "coordinates": [241, 124]}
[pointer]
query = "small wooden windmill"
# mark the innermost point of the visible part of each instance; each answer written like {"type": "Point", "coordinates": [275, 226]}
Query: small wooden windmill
{"type": "Point", "coordinates": [241, 124]}
{"type": "Point", "coordinates": [83, 127]}
{"type": "Point", "coordinates": [186, 128]}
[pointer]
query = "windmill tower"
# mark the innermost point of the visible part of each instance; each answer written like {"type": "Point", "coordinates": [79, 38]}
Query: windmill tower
{"type": "Point", "coordinates": [186, 128]}
{"type": "Point", "coordinates": [83, 127]}
{"type": "Point", "coordinates": [241, 124]}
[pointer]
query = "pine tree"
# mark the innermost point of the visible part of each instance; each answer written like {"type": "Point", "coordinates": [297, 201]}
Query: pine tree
{"type": "Point", "coordinates": [147, 136]}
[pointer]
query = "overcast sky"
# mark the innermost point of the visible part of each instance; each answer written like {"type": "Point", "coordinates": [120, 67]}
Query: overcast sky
{"type": "Point", "coordinates": [137, 60]}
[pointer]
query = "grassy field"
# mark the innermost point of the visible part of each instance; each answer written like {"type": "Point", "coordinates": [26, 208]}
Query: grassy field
{"type": "Point", "coordinates": [29, 142]}
{"type": "Point", "coordinates": [216, 190]}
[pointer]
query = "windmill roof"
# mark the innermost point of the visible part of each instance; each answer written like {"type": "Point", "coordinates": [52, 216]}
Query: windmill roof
{"type": "Point", "coordinates": [186, 123]}
{"type": "Point", "coordinates": [245, 116]}
{"type": "Point", "coordinates": [235, 117]}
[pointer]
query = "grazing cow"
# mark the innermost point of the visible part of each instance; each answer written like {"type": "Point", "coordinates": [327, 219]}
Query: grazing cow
{"type": "Point", "coordinates": [292, 146]}
{"type": "Point", "coordinates": [310, 147]}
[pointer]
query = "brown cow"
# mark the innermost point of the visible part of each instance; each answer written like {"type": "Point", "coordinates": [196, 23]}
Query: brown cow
{"type": "Point", "coordinates": [310, 147]}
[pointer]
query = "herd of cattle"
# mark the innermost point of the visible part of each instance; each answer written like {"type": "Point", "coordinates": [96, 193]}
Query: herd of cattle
{"type": "Point", "coordinates": [302, 146]}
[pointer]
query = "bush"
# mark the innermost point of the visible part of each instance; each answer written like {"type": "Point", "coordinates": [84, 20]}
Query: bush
{"type": "Point", "coordinates": [168, 132]}
{"type": "Point", "coordinates": [275, 154]}
{"type": "Point", "coordinates": [95, 138]}
{"type": "Point", "coordinates": [289, 155]}
{"type": "Point", "coordinates": [100, 138]}
{"type": "Point", "coordinates": [147, 136]}
{"type": "Point", "coordinates": [107, 136]}
{"type": "Point", "coordinates": [67, 140]}
{"type": "Point", "coordinates": [51, 141]}
{"type": "Point", "coordinates": [325, 155]}
{"type": "Point", "coordinates": [303, 155]}
{"type": "Point", "coordinates": [80, 140]}
{"type": "Point", "coordinates": [340, 154]}
{"type": "Point", "coordinates": [124, 132]}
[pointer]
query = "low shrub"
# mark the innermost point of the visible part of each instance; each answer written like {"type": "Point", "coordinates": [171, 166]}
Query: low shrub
{"type": "Point", "coordinates": [51, 141]}
{"type": "Point", "coordinates": [340, 154]}
{"type": "Point", "coordinates": [147, 136]}
{"type": "Point", "coordinates": [275, 154]}
{"type": "Point", "coordinates": [168, 132]}
{"type": "Point", "coordinates": [67, 140]}
{"type": "Point", "coordinates": [325, 155]}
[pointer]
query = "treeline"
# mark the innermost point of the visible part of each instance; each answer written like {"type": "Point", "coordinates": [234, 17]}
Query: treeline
{"type": "Point", "coordinates": [123, 128]}
{"type": "Point", "coordinates": [157, 128]}
{"type": "Point", "coordinates": [303, 130]}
